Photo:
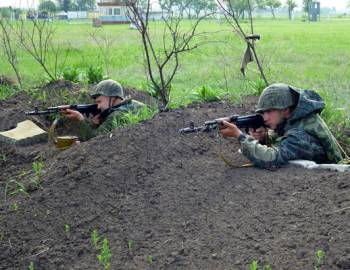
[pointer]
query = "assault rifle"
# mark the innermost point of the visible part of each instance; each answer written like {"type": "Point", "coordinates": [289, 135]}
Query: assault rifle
{"type": "Point", "coordinates": [253, 121]}
{"type": "Point", "coordinates": [82, 108]}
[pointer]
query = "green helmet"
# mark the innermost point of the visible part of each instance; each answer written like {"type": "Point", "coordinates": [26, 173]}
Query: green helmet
{"type": "Point", "coordinates": [277, 96]}
{"type": "Point", "coordinates": [108, 88]}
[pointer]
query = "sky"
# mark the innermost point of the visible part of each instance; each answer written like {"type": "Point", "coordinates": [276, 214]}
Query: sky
{"type": "Point", "coordinates": [338, 4]}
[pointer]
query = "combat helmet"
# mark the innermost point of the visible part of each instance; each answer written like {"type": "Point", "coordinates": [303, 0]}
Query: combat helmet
{"type": "Point", "coordinates": [277, 96]}
{"type": "Point", "coordinates": [108, 88]}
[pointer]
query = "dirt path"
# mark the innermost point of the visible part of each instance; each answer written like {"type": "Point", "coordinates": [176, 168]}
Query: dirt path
{"type": "Point", "coordinates": [166, 201]}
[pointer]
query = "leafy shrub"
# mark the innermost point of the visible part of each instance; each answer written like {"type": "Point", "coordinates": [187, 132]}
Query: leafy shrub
{"type": "Point", "coordinates": [257, 86]}
{"type": "Point", "coordinates": [206, 94]}
{"type": "Point", "coordinates": [132, 118]}
{"type": "Point", "coordinates": [6, 91]}
{"type": "Point", "coordinates": [94, 74]}
{"type": "Point", "coordinates": [71, 74]}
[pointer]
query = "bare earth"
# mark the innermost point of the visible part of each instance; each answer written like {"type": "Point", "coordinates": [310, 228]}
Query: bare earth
{"type": "Point", "coordinates": [153, 192]}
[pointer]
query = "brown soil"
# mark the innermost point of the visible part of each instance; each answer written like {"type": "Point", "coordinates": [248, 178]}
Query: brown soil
{"type": "Point", "coordinates": [174, 198]}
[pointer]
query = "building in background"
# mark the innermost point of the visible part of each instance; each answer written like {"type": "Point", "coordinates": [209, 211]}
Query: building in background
{"type": "Point", "coordinates": [113, 11]}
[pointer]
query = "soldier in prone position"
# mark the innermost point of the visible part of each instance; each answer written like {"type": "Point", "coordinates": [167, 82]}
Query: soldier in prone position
{"type": "Point", "coordinates": [110, 100]}
{"type": "Point", "coordinates": [296, 130]}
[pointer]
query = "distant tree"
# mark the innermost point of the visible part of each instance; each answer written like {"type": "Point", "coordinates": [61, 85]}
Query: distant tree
{"type": "Point", "coordinates": [306, 4]}
{"type": "Point", "coordinates": [64, 5]}
{"type": "Point", "coordinates": [272, 5]}
{"type": "Point", "coordinates": [239, 7]}
{"type": "Point", "coordinates": [167, 5]}
{"type": "Point", "coordinates": [83, 5]}
{"type": "Point", "coordinates": [47, 7]}
{"type": "Point", "coordinates": [291, 4]}
{"type": "Point", "coordinates": [5, 12]}
{"type": "Point", "coordinates": [204, 6]}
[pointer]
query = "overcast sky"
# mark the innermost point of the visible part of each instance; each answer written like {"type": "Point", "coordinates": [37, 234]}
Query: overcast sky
{"type": "Point", "coordinates": [338, 4]}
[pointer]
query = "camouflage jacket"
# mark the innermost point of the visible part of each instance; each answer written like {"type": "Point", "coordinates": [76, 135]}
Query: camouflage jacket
{"type": "Point", "coordinates": [302, 136]}
{"type": "Point", "coordinates": [111, 119]}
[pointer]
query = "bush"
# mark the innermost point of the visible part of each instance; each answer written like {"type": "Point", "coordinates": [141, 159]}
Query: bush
{"type": "Point", "coordinates": [206, 94]}
{"type": "Point", "coordinates": [6, 91]}
{"type": "Point", "coordinates": [257, 86]}
{"type": "Point", "coordinates": [94, 74]}
{"type": "Point", "coordinates": [71, 74]}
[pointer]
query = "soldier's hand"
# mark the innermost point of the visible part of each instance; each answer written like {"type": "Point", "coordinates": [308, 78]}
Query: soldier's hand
{"type": "Point", "coordinates": [259, 134]}
{"type": "Point", "coordinates": [229, 130]}
{"type": "Point", "coordinates": [96, 120]}
{"type": "Point", "coordinates": [73, 115]}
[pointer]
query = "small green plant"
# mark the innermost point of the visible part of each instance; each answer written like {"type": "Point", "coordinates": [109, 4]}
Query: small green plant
{"type": "Point", "coordinates": [37, 167]}
{"type": "Point", "coordinates": [257, 86]}
{"type": "Point", "coordinates": [206, 94]}
{"type": "Point", "coordinates": [6, 91]}
{"type": "Point", "coordinates": [253, 265]}
{"type": "Point", "coordinates": [14, 206]}
{"type": "Point", "coordinates": [94, 74]}
{"type": "Point", "coordinates": [31, 266]}
{"type": "Point", "coordinates": [131, 118]}
{"type": "Point", "coordinates": [66, 228]}
{"type": "Point", "coordinates": [13, 187]}
{"type": "Point", "coordinates": [95, 238]}
{"type": "Point", "coordinates": [104, 258]}
{"type": "Point", "coordinates": [71, 74]}
{"type": "Point", "coordinates": [3, 157]}
{"type": "Point", "coordinates": [130, 245]}
{"type": "Point", "coordinates": [319, 260]}
{"type": "Point", "coordinates": [149, 259]}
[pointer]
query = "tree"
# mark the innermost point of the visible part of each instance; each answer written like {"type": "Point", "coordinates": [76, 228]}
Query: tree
{"type": "Point", "coordinates": [10, 46]}
{"type": "Point", "coordinates": [306, 4]}
{"type": "Point", "coordinates": [47, 7]}
{"type": "Point", "coordinates": [167, 5]}
{"type": "Point", "coordinates": [239, 7]}
{"type": "Point", "coordinates": [249, 39]}
{"type": "Point", "coordinates": [204, 6]}
{"type": "Point", "coordinates": [37, 39]}
{"type": "Point", "coordinates": [5, 12]}
{"type": "Point", "coordinates": [162, 63]}
{"type": "Point", "coordinates": [291, 4]}
{"type": "Point", "coordinates": [272, 5]}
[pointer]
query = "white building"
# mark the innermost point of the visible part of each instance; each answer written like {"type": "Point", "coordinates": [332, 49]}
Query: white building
{"type": "Point", "coordinates": [113, 11]}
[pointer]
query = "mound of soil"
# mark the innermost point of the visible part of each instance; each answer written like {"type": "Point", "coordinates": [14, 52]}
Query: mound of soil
{"type": "Point", "coordinates": [167, 201]}
{"type": "Point", "coordinates": [12, 111]}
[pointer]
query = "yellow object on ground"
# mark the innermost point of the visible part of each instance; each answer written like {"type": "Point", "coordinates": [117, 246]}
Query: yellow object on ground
{"type": "Point", "coordinates": [26, 132]}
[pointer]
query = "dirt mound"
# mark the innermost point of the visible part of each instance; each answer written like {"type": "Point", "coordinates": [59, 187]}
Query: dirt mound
{"type": "Point", "coordinates": [166, 201]}
{"type": "Point", "coordinates": [12, 110]}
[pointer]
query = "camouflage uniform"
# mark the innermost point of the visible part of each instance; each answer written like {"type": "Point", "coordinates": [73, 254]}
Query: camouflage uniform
{"type": "Point", "coordinates": [304, 135]}
{"type": "Point", "coordinates": [114, 116]}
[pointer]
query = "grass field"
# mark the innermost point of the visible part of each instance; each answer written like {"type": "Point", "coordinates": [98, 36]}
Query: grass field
{"type": "Point", "coordinates": [307, 55]}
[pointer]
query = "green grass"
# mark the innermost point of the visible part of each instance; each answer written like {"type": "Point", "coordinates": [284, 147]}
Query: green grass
{"type": "Point", "coordinates": [303, 54]}
{"type": "Point", "coordinates": [6, 92]}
